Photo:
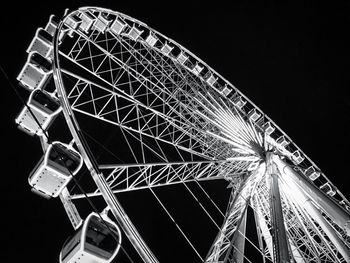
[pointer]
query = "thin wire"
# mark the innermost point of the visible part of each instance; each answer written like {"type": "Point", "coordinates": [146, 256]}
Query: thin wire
{"type": "Point", "coordinates": [212, 201]}
{"type": "Point", "coordinates": [170, 216]}
{"type": "Point", "coordinates": [200, 204]}
{"type": "Point", "coordinates": [62, 161]}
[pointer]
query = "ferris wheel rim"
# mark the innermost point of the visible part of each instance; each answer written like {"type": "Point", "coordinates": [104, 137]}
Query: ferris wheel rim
{"type": "Point", "coordinates": [57, 63]}
{"type": "Point", "coordinates": [66, 106]}
{"type": "Point", "coordinates": [89, 161]}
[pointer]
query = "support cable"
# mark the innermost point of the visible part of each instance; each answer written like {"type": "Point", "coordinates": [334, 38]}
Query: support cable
{"type": "Point", "coordinates": [178, 227]}
{"type": "Point", "coordinates": [213, 202]}
{"type": "Point", "coordinates": [217, 226]}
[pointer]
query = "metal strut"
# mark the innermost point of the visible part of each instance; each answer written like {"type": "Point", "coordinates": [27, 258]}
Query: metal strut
{"type": "Point", "coordinates": [305, 200]}
{"type": "Point", "coordinates": [228, 246]}
{"type": "Point", "coordinates": [279, 236]}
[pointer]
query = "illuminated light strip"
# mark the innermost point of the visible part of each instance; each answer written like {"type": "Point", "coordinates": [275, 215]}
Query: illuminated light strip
{"type": "Point", "coordinates": [249, 158]}
{"type": "Point", "coordinates": [247, 150]}
{"type": "Point", "coordinates": [233, 130]}
{"type": "Point", "coordinates": [236, 129]}
{"type": "Point", "coordinates": [239, 123]}
{"type": "Point", "coordinates": [236, 144]}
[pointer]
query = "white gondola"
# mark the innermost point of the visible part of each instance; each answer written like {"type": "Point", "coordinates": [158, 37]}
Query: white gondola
{"type": "Point", "coordinates": [297, 158]}
{"type": "Point", "coordinates": [226, 90]}
{"type": "Point", "coordinates": [118, 26]}
{"type": "Point", "coordinates": [41, 43]}
{"type": "Point", "coordinates": [327, 188]}
{"type": "Point", "coordinates": [87, 20]}
{"type": "Point", "coordinates": [312, 173]}
{"type": "Point", "coordinates": [282, 141]}
{"type": "Point", "coordinates": [44, 107]}
{"type": "Point", "coordinates": [93, 242]}
{"type": "Point", "coordinates": [134, 33]}
{"type": "Point", "coordinates": [55, 169]}
{"type": "Point", "coordinates": [52, 25]}
{"type": "Point", "coordinates": [197, 69]}
{"type": "Point", "coordinates": [36, 72]}
{"type": "Point", "coordinates": [181, 58]}
{"type": "Point", "coordinates": [151, 39]}
{"type": "Point", "coordinates": [71, 23]}
{"type": "Point", "coordinates": [268, 128]}
{"type": "Point", "coordinates": [239, 102]}
{"type": "Point", "coordinates": [101, 23]}
{"type": "Point", "coordinates": [166, 49]}
{"type": "Point", "coordinates": [253, 115]}
{"type": "Point", "coordinates": [211, 79]}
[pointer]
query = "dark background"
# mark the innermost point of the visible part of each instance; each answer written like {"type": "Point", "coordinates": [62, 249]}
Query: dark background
{"type": "Point", "coordinates": [292, 61]}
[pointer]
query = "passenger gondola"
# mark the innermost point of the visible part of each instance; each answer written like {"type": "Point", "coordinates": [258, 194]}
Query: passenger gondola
{"type": "Point", "coordinates": [44, 107]}
{"type": "Point", "coordinates": [36, 72]}
{"type": "Point", "coordinates": [55, 169]}
{"type": "Point", "coordinates": [96, 241]}
{"type": "Point", "coordinates": [41, 43]}
{"type": "Point", "coordinates": [44, 102]}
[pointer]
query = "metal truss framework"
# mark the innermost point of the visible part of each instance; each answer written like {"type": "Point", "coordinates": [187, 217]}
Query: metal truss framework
{"type": "Point", "coordinates": [179, 125]}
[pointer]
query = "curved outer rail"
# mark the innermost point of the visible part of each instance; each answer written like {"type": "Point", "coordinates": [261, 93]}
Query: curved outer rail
{"type": "Point", "coordinates": [116, 208]}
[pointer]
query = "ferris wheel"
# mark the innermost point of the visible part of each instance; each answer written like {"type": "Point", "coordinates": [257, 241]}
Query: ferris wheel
{"type": "Point", "coordinates": [145, 113]}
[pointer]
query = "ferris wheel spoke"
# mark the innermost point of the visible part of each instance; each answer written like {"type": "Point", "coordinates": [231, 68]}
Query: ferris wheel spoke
{"type": "Point", "coordinates": [177, 225]}
{"type": "Point", "coordinates": [176, 141]}
{"type": "Point", "coordinates": [191, 98]}
{"type": "Point", "coordinates": [152, 131]}
{"type": "Point", "coordinates": [232, 163]}
{"type": "Point", "coordinates": [170, 94]}
{"type": "Point", "coordinates": [77, 47]}
{"type": "Point", "coordinates": [130, 177]}
{"type": "Point", "coordinates": [135, 72]}
{"type": "Point", "coordinates": [190, 150]}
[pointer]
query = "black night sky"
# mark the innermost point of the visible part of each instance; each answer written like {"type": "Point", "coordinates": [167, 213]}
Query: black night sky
{"type": "Point", "coordinates": [292, 61]}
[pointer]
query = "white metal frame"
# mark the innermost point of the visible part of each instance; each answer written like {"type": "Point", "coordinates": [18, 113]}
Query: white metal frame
{"type": "Point", "coordinates": [146, 92]}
